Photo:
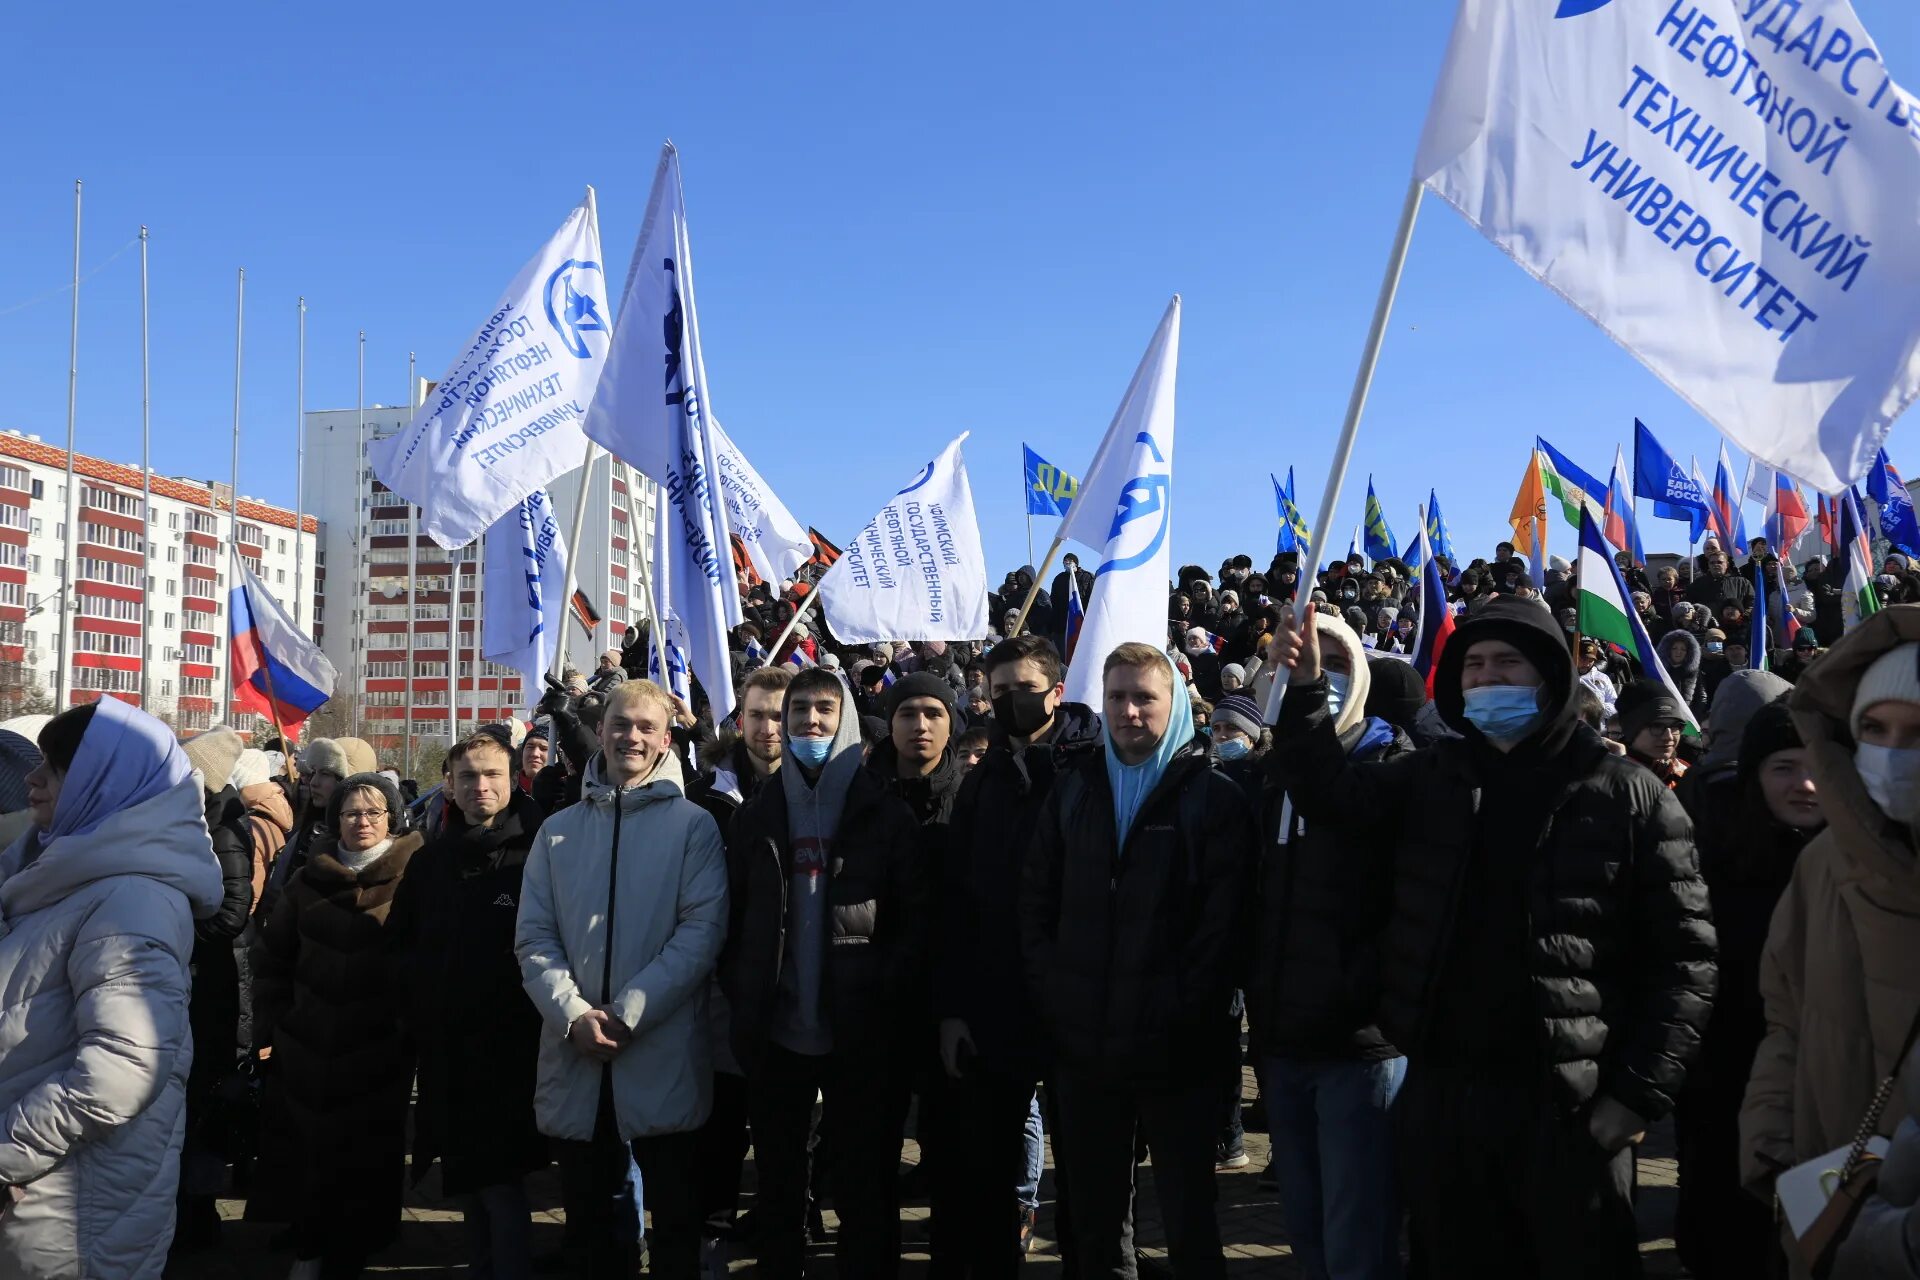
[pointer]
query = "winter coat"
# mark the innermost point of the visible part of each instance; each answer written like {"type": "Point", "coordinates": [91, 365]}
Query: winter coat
{"type": "Point", "coordinates": [1685, 672]}
{"type": "Point", "coordinates": [977, 972]}
{"type": "Point", "coordinates": [1132, 952]}
{"type": "Point", "coordinates": [95, 1049]}
{"type": "Point", "coordinates": [1717, 593]}
{"type": "Point", "coordinates": [1841, 971]}
{"type": "Point", "coordinates": [1321, 900]}
{"type": "Point", "coordinates": [877, 902]}
{"type": "Point", "coordinates": [327, 998]}
{"type": "Point", "coordinates": [1057, 594]}
{"type": "Point", "coordinates": [215, 1006]}
{"type": "Point", "coordinates": [721, 791]}
{"type": "Point", "coordinates": [473, 1028]}
{"type": "Point", "coordinates": [930, 798]}
{"type": "Point", "coordinates": [653, 860]}
{"type": "Point", "coordinates": [1884, 1242]}
{"type": "Point", "coordinates": [269, 827]}
{"type": "Point", "coordinates": [1555, 884]}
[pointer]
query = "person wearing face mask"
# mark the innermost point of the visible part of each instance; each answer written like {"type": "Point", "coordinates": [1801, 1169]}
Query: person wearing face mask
{"type": "Point", "coordinates": [1236, 633]}
{"type": "Point", "coordinates": [1749, 840]}
{"type": "Point", "coordinates": [1841, 971]}
{"type": "Point", "coordinates": [1538, 1051]}
{"type": "Point", "coordinates": [1203, 662]}
{"type": "Point", "coordinates": [1239, 742]}
{"type": "Point", "coordinates": [1327, 1073]}
{"type": "Point", "coordinates": [1131, 913]}
{"type": "Point", "coordinates": [992, 1046]}
{"type": "Point", "coordinates": [824, 971]}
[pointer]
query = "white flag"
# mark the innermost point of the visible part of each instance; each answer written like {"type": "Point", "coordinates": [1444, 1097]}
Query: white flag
{"type": "Point", "coordinates": [505, 418]}
{"type": "Point", "coordinates": [776, 543]}
{"type": "Point", "coordinates": [651, 410]}
{"type": "Point", "coordinates": [1729, 188]}
{"type": "Point", "coordinates": [917, 571]}
{"type": "Point", "coordinates": [1125, 511]}
{"type": "Point", "coordinates": [526, 592]}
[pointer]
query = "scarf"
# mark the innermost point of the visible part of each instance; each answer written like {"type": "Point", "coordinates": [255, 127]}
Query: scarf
{"type": "Point", "coordinates": [1133, 783]}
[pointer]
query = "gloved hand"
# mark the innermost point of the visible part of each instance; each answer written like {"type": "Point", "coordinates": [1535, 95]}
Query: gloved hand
{"type": "Point", "coordinates": [556, 700]}
{"type": "Point", "coordinates": [1613, 1126]}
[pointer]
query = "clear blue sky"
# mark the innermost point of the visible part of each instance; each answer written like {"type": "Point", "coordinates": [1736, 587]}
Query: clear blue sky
{"type": "Point", "coordinates": [908, 220]}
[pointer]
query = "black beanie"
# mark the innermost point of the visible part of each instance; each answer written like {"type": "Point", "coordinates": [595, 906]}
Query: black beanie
{"type": "Point", "coordinates": [1771, 729]}
{"type": "Point", "coordinates": [1643, 703]}
{"type": "Point", "coordinates": [1396, 693]}
{"type": "Point", "coordinates": [921, 684]}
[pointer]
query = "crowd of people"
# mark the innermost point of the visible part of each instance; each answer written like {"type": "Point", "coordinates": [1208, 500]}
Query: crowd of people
{"type": "Point", "coordinates": [1476, 930]}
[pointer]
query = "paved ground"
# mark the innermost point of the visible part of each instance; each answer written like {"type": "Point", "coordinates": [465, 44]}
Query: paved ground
{"type": "Point", "coordinates": [1250, 1225]}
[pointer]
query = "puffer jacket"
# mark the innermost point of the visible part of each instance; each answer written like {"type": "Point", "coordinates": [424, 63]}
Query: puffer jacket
{"type": "Point", "coordinates": [216, 1003]}
{"type": "Point", "coordinates": [1841, 971]}
{"type": "Point", "coordinates": [657, 859]}
{"type": "Point", "coordinates": [1613, 946]}
{"type": "Point", "coordinates": [95, 1048]}
{"type": "Point", "coordinates": [1131, 953]}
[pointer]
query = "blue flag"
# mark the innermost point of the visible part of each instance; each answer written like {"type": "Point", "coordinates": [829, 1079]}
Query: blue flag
{"type": "Point", "coordinates": [1050, 491]}
{"type": "Point", "coordinates": [1293, 527]}
{"type": "Point", "coordinates": [1439, 540]}
{"type": "Point", "coordinates": [1379, 538]}
{"type": "Point", "coordinates": [1657, 476]}
{"type": "Point", "coordinates": [1757, 637]}
{"type": "Point", "coordinates": [1897, 522]}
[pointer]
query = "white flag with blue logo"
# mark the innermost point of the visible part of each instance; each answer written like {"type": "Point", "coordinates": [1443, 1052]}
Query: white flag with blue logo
{"type": "Point", "coordinates": [1124, 510]}
{"type": "Point", "coordinates": [1729, 188]}
{"type": "Point", "coordinates": [505, 418]}
{"type": "Point", "coordinates": [917, 571]}
{"type": "Point", "coordinates": [776, 543]}
{"type": "Point", "coordinates": [651, 410]}
{"type": "Point", "coordinates": [525, 592]}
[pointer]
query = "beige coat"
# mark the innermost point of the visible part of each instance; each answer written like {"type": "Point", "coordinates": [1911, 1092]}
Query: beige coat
{"type": "Point", "coordinates": [1841, 972]}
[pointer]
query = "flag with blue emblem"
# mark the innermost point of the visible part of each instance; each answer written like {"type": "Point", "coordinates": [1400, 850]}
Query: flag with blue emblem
{"type": "Point", "coordinates": [1439, 538]}
{"type": "Point", "coordinates": [505, 419]}
{"type": "Point", "coordinates": [676, 681]}
{"type": "Point", "coordinates": [1050, 490]}
{"type": "Point", "coordinates": [1379, 544]}
{"type": "Point", "coordinates": [1658, 476]}
{"type": "Point", "coordinates": [1889, 491]}
{"type": "Point", "coordinates": [1294, 536]}
{"type": "Point", "coordinates": [525, 592]}
{"type": "Point", "coordinates": [1125, 511]}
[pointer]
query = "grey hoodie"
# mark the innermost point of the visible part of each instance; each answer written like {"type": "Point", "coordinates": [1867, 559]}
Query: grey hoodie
{"type": "Point", "coordinates": [1734, 702]}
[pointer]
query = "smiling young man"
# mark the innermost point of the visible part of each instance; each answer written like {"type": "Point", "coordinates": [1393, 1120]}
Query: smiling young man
{"type": "Point", "coordinates": [622, 912]}
{"type": "Point", "coordinates": [825, 956]}
{"type": "Point", "coordinates": [1131, 913]}
{"type": "Point", "coordinates": [1539, 1049]}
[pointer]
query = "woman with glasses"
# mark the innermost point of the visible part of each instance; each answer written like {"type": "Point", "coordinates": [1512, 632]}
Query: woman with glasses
{"type": "Point", "coordinates": [326, 1006]}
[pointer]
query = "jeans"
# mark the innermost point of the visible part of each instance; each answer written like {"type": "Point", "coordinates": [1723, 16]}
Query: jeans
{"type": "Point", "coordinates": [1027, 1194]}
{"type": "Point", "coordinates": [499, 1245]}
{"type": "Point", "coordinates": [1094, 1142]}
{"type": "Point", "coordinates": [1332, 1130]}
{"type": "Point", "coordinates": [861, 1127]}
{"type": "Point", "coordinates": [601, 1197]}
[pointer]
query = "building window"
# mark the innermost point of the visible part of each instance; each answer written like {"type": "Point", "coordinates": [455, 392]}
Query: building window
{"type": "Point", "coordinates": [282, 548]}
{"type": "Point", "coordinates": [173, 588]}
{"type": "Point", "coordinates": [166, 688]}
{"type": "Point", "coordinates": [173, 519]}
{"type": "Point", "coordinates": [39, 488]}
{"type": "Point", "coordinates": [13, 477]}
{"type": "Point", "coordinates": [35, 530]}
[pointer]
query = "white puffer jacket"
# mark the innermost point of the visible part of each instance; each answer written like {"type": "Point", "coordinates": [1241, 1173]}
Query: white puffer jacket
{"type": "Point", "coordinates": [95, 936]}
{"type": "Point", "coordinates": [669, 920]}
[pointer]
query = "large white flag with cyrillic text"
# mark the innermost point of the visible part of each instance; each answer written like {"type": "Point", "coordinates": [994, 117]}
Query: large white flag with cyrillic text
{"type": "Point", "coordinates": [917, 571]}
{"type": "Point", "coordinates": [651, 410]}
{"type": "Point", "coordinates": [1124, 510]}
{"type": "Point", "coordinates": [1729, 188]}
{"type": "Point", "coordinates": [776, 543]}
{"type": "Point", "coordinates": [505, 418]}
{"type": "Point", "coordinates": [525, 593]}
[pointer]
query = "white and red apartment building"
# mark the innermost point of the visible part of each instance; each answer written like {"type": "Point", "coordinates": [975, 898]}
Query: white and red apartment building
{"type": "Point", "coordinates": [164, 563]}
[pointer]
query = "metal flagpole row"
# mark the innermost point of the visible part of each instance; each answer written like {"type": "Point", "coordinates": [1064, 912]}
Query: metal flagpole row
{"type": "Point", "coordinates": [63, 678]}
{"type": "Point", "coordinates": [233, 493]}
{"type": "Point", "coordinates": [146, 494]}
{"type": "Point", "coordinates": [358, 637]}
{"type": "Point", "coordinates": [300, 465]}
{"type": "Point", "coordinates": [413, 572]}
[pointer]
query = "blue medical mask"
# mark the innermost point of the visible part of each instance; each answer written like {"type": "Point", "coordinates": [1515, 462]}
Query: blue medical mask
{"type": "Point", "coordinates": [1338, 682]}
{"type": "Point", "coordinates": [811, 752]}
{"type": "Point", "coordinates": [1891, 776]}
{"type": "Point", "coordinates": [1504, 711]}
{"type": "Point", "coordinates": [1714, 646]}
{"type": "Point", "coordinates": [1232, 749]}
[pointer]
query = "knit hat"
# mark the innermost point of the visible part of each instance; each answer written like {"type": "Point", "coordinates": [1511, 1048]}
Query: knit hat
{"type": "Point", "coordinates": [214, 753]}
{"type": "Point", "coordinates": [1397, 693]}
{"type": "Point", "coordinates": [1894, 676]}
{"type": "Point", "coordinates": [1646, 703]}
{"type": "Point", "coordinates": [1240, 711]}
{"type": "Point", "coordinates": [921, 684]}
{"type": "Point", "coordinates": [325, 755]}
{"type": "Point", "coordinates": [1235, 670]}
{"type": "Point", "coordinates": [252, 768]}
{"type": "Point", "coordinates": [1770, 730]}
{"type": "Point", "coordinates": [830, 662]}
{"type": "Point", "coordinates": [360, 756]}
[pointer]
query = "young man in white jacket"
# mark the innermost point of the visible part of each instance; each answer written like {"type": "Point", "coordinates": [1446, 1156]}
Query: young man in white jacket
{"type": "Point", "coordinates": [627, 1057]}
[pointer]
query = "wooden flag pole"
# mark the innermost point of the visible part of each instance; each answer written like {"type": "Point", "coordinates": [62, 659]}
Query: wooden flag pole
{"type": "Point", "coordinates": [1356, 405]}
{"type": "Point", "coordinates": [1039, 577]}
{"type": "Point", "coordinates": [793, 622]}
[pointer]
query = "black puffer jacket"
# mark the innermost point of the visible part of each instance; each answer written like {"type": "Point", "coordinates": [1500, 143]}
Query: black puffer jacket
{"type": "Point", "coordinates": [1313, 989]}
{"type": "Point", "coordinates": [475, 1031]}
{"type": "Point", "coordinates": [1548, 911]}
{"type": "Point", "coordinates": [931, 798]}
{"type": "Point", "coordinates": [978, 976]}
{"type": "Point", "coordinates": [1132, 954]}
{"type": "Point", "coordinates": [877, 895]}
{"type": "Point", "coordinates": [213, 1010]}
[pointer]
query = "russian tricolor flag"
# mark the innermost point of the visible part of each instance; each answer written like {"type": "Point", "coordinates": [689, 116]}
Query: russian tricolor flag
{"type": "Point", "coordinates": [1787, 517]}
{"type": "Point", "coordinates": [1436, 619]}
{"type": "Point", "coordinates": [1076, 614]}
{"type": "Point", "coordinates": [277, 671]}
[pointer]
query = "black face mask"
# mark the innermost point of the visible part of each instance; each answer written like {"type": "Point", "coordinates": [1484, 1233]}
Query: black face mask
{"type": "Point", "coordinates": [1021, 712]}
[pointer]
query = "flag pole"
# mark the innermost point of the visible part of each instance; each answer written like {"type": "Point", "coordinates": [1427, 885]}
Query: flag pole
{"type": "Point", "coordinates": [358, 685]}
{"type": "Point", "coordinates": [146, 491]}
{"type": "Point", "coordinates": [1356, 405]}
{"type": "Point", "coordinates": [655, 624]}
{"type": "Point", "coordinates": [1029, 537]}
{"type": "Point", "coordinates": [300, 460]}
{"type": "Point", "coordinates": [413, 573]}
{"type": "Point", "coordinates": [793, 622]}
{"type": "Point", "coordinates": [63, 678]}
{"type": "Point", "coordinates": [233, 491]}
{"type": "Point", "coordinates": [573, 545]}
{"type": "Point", "coordinates": [1039, 577]}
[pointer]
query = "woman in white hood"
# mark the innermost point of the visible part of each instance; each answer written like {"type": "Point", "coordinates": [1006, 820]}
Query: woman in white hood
{"type": "Point", "coordinates": [97, 904]}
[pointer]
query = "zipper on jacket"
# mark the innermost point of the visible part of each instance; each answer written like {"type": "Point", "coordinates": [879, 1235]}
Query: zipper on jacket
{"type": "Point", "coordinates": [780, 934]}
{"type": "Point", "coordinates": [613, 880]}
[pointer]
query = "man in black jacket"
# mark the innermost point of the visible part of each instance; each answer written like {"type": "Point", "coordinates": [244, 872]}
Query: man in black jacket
{"type": "Point", "coordinates": [991, 1044]}
{"type": "Point", "coordinates": [1716, 587]}
{"type": "Point", "coordinates": [471, 1022]}
{"type": "Point", "coordinates": [1130, 912]}
{"type": "Point", "coordinates": [916, 762]}
{"type": "Point", "coordinates": [1057, 594]}
{"type": "Point", "coordinates": [1548, 964]}
{"type": "Point", "coordinates": [825, 952]}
